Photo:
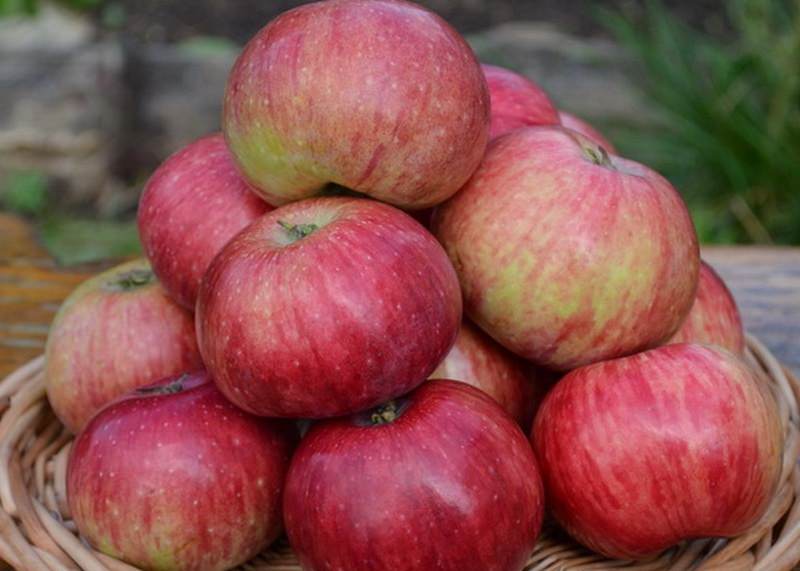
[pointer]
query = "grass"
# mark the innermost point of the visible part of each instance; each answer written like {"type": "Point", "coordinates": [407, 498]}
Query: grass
{"type": "Point", "coordinates": [731, 134]}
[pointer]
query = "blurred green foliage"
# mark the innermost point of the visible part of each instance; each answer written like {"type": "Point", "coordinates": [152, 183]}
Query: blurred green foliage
{"type": "Point", "coordinates": [77, 241]}
{"type": "Point", "coordinates": [730, 138]}
{"type": "Point", "coordinates": [14, 7]}
{"type": "Point", "coordinates": [17, 7]}
{"type": "Point", "coordinates": [24, 192]}
{"type": "Point", "coordinates": [209, 46]}
{"type": "Point", "coordinates": [69, 238]}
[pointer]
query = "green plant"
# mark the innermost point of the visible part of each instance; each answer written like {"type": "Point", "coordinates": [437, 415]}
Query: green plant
{"type": "Point", "coordinates": [13, 7]}
{"type": "Point", "coordinates": [24, 192]}
{"type": "Point", "coordinates": [29, 7]}
{"type": "Point", "coordinates": [75, 241]}
{"type": "Point", "coordinates": [730, 137]}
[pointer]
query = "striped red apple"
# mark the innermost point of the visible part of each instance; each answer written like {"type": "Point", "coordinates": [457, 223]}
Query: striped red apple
{"type": "Point", "coordinates": [116, 332]}
{"type": "Point", "coordinates": [173, 476]}
{"type": "Point", "coordinates": [439, 479]}
{"type": "Point", "coordinates": [192, 206]}
{"type": "Point", "coordinates": [325, 307]}
{"type": "Point", "coordinates": [568, 255]}
{"type": "Point", "coordinates": [643, 452]}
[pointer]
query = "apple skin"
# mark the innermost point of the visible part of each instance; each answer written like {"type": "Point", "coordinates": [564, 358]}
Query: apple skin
{"type": "Point", "coordinates": [174, 477]}
{"type": "Point", "coordinates": [642, 452]}
{"type": "Point", "coordinates": [192, 206]}
{"type": "Point", "coordinates": [450, 484]}
{"type": "Point", "coordinates": [714, 318]}
{"type": "Point", "coordinates": [567, 255]}
{"type": "Point", "coordinates": [570, 121]}
{"type": "Point", "coordinates": [516, 102]}
{"type": "Point", "coordinates": [117, 331]}
{"type": "Point", "coordinates": [380, 96]}
{"type": "Point", "coordinates": [476, 359]}
{"type": "Point", "coordinates": [360, 311]}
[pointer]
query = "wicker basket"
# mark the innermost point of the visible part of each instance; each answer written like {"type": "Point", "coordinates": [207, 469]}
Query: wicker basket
{"type": "Point", "coordinates": [36, 532]}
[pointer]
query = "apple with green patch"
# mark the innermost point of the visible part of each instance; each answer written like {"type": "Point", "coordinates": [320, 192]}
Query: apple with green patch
{"type": "Point", "coordinates": [380, 96]}
{"type": "Point", "coordinates": [568, 255]}
{"type": "Point", "coordinates": [117, 331]}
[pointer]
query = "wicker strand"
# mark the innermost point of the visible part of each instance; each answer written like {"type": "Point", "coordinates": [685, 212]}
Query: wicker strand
{"type": "Point", "coordinates": [37, 534]}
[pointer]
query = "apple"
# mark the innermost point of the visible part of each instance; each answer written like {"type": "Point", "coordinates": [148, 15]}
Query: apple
{"type": "Point", "coordinates": [190, 208]}
{"type": "Point", "coordinates": [714, 317]}
{"type": "Point", "coordinates": [173, 476]}
{"type": "Point", "coordinates": [326, 307]}
{"type": "Point", "coordinates": [568, 255]}
{"type": "Point", "coordinates": [439, 479]}
{"type": "Point", "coordinates": [117, 331]}
{"type": "Point", "coordinates": [642, 452]}
{"type": "Point", "coordinates": [477, 360]}
{"type": "Point", "coordinates": [570, 121]}
{"type": "Point", "coordinates": [380, 96]}
{"type": "Point", "coordinates": [516, 102]}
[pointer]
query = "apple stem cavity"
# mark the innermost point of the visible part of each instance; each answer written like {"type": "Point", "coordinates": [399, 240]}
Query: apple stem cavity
{"type": "Point", "coordinates": [597, 155]}
{"type": "Point", "coordinates": [385, 414]}
{"type": "Point", "coordinates": [333, 189]}
{"type": "Point", "coordinates": [298, 231]}
{"type": "Point", "coordinates": [132, 279]}
{"type": "Point", "coordinates": [594, 153]}
{"type": "Point", "coordinates": [171, 388]}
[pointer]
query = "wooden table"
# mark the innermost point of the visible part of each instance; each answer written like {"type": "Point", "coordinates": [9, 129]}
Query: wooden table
{"type": "Point", "coordinates": [765, 281]}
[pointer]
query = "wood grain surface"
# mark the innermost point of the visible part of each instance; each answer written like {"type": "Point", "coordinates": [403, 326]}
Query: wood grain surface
{"type": "Point", "coordinates": [765, 281]}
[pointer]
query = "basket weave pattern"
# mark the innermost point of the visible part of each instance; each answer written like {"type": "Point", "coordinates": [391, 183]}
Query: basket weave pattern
{"type": "Point", "coordinates": [37, 534]}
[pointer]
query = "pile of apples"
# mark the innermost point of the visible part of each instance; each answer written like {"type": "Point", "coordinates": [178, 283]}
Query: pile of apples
{"type": "Point", "coordinates": [292, 355]}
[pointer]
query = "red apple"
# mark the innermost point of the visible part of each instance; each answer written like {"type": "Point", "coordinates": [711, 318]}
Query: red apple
{"type": "Point", "coordinates": [568, 255]}
{"type": "Point", "coordinates": [173, 476]}
{"type": "Point", "coordinates": [440, 479]}
{"type": "Point", "coordinates": [326, 307]}
{"type": "Point", "coordinates": [714, 317]}
{"type": "Point", "coordinates": [477, 360]}
{"type": "Point", "coordinates": [191, 207]}
{"type": "Point", "coordinates": [640, 453]}
{"type": "Point", "coordinates": [380, 96]}
{"type": "Point", "coordinates": [516, 102]}
{"type": "Point", "coordinates": [115, 332]}
{"type": "Point", "coordinates": [571, 122]}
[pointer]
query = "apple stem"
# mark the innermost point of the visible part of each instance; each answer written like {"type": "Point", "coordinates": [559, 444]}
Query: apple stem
{"type": "Point", "coordinates": [298, 231]}
{"type": "Point", "coordinates": [384, 414]}
{"type": "Point", "coordinates": [134, 279]}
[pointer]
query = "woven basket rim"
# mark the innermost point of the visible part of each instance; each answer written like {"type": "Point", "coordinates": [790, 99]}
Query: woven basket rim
{"type": "Point", "coordinates": [36, 533]}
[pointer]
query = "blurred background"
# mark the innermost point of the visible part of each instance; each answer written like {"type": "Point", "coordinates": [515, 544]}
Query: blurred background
{"type": "Point", "coordinates": [95, 93]}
